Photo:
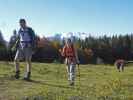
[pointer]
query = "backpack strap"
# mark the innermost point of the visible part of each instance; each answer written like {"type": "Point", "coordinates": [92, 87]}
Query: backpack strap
{"type": "Point", "coordinates": [31, 33]}
{"type": "Point", "coordinates": [33, 37]}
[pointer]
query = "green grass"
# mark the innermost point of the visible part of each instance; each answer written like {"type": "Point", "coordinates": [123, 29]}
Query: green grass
{"type": "Point", "coordinates": [49, 82]}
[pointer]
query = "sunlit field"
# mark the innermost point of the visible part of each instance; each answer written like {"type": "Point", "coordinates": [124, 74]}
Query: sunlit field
{"type": "Point", "coordinates": [49, 82]}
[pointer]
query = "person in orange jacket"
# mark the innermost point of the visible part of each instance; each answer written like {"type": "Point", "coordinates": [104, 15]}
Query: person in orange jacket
{"type": "Point", "coordinates": [69, 52]}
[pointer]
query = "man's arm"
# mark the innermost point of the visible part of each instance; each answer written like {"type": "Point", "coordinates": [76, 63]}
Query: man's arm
{"type": "Point", "coordinates": [17, 41]}
{"type": "Point", "coordinates": [76, 54]}
{"type": "Point", "coordinates": [63, 52]}
{"type": "Point", "coordinates": [32, 33]}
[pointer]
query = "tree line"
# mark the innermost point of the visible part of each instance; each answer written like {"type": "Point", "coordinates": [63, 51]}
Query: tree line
{"type": "Point", "coordinates": [95, 50]}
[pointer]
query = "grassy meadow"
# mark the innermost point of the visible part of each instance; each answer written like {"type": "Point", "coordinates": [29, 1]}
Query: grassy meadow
{"type": "Point", "coordinates": [49, 82]}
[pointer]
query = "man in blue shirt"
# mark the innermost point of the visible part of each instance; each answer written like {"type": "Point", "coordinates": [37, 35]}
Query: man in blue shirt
{"type": "Point", "coordinates": [26, 38]}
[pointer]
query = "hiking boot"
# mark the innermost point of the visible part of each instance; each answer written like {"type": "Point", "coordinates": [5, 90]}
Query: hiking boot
{"type": "Point", "coordinates": [17, 76]}
{"type": "Point", "coordinates": [71, 83]}
{"type": "Point", "coordinates": [27, 76]}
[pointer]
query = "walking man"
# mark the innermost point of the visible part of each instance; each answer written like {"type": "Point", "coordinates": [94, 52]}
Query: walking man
{"type": "Point", "coordinates": [25, 45]}
{"type": "Point", "coordinates": [71, 59]}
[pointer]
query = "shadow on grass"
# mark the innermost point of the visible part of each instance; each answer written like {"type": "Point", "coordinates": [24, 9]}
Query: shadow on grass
{"type": "Point", "coordinates": [6, 77]}
{"type": "Point", "coordinates": [53, 85]}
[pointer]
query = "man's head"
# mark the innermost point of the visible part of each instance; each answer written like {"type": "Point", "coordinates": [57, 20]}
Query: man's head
{"type": "Point", "coordinates": [68, 41]}
{"type": "Point", "coordinates": [22, 23]}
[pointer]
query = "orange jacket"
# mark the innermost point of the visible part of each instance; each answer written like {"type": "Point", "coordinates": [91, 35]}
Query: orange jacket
{"type": "Point", "coordinates": [68, 51]}
{"type": "Point", "coordinates": [69, 54]}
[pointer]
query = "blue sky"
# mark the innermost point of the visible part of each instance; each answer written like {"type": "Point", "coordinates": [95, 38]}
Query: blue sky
{"type": "Point", "coordinates": [51, 16]}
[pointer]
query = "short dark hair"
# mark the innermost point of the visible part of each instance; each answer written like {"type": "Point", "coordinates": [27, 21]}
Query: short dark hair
{"type": "Point", "coordinates": [22, 20]}
{"type": "Point", "coordinates": [68, 40]}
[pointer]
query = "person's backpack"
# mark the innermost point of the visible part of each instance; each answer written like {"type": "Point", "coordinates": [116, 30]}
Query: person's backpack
{"type": "Point", "coordinates": [33, 37]}
{"type": "Point", "coordinates": [33, 40]}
